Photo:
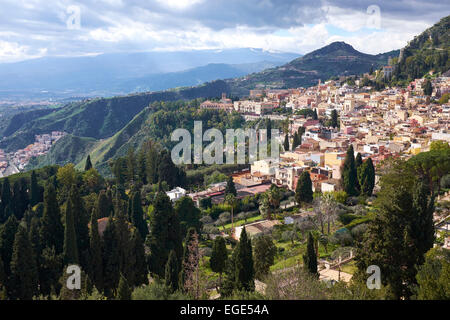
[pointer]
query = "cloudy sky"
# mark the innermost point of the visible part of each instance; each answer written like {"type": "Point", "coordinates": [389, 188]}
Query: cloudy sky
{"type": "Point", "coordinates": [36, 28]}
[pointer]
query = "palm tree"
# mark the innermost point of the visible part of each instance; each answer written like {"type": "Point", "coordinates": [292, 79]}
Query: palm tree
{"type": "Point", "coordinates": [231, 200]}
{"type": "Point", "coordinates": [264, 206]}
{"type": "Point", "coordinates": [274, 195]}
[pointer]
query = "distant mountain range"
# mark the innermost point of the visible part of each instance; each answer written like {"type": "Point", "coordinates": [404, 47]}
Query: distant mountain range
{"type": "Point", "coordinates": [123, 73]}
{"type": "Point", "coordinates": [335, 59]}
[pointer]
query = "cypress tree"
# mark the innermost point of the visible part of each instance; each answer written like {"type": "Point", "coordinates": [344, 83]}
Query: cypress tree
{"type": "Point", "coordinates": [7, 233]}
{"type": "Point", "coordinates": [70, 240]}
{"type": "Point", "coordinates": [88, 163]}
{"type": "Point", "coordinates": [104, 205]}
{"type": "Point", "coordinates": [428, 88]}
{"type": "Point", "coordinates": [141, 167]}
{"type": "Point", "coordinates": [127, 258]}
{"type": "Point", "coordinates": [131, 166]}
{"type": "Point", "coordinates": [315, 117]}
{"type": "Point", "coordinates": [303, 190]}
{"type": "Point", "coordinates": [81, 221]}
{"type": "Point", "coordinates": [164, 234]}
{"type": "Point", "coordinates": [186, 267]}
{"type": "Point", "coordinates": [111, 259]}
{"type": "Point", "coordinates": [20, 200]}
{"type": "Point", "coordinates": [23, 282]}
{"type": "Point", "coordinates": [334, 118]}
{"type": "Point", "coordinates": [265, 251]}
{"type": "Point", "coordinates": [137, 215]}
{"type": "Point", "coordinates": [2, 276]}
{"type": "Point", "coordinates": [140, 267]}
{"type": "Point", "coordinates": [230, 188]}
{"type": "Point", "coordinates": [245, 273]}
{"type": "Point", "coordinates": [219, 257]}
{"type": "Point", "coordinates": [422, 229]}
{"type": "Point", "coordinates": [310, 257]}
{"type": "Point", "coordinates": [95, 253]}
{"type": "Point", "coordinates": [124, 291]}
{"type": "Point", "coordinates": [297, 141]}
{"type": "Point", "coordinates": [358, 166]}
{"type": "Point", "coordinates": [172, 272]}
{"type": "Point", "coordinates": [286, 142]}
{"type": "Point", "coordinates": [229, 281]}
{"type": "Point", "coordinates": [151, 164]}
{"type": "Point", "coordinates": [188, 214]}
{"type": "Point", "coordinates": [6, 197]}
{"type": "Point", "coordinates": [50, 268]}
{"type": "Point", "coordinates": [366, 177]}
{"type": "Point", "coordinates": [52, 230]}
{"type": "Point", "coordinates": [358, 160]}
{"type": "Point", "coordinates": [34, 190]}
{"type": "Point", "coordinates": [349, 178]}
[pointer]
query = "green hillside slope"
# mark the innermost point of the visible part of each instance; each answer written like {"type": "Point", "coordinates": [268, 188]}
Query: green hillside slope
{"type": "Point", "coordinates": [428, 51]}
{"type": "Point", "coordinates": [103, 117]}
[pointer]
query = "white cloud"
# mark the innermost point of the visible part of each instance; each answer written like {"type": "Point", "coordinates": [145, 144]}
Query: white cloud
{"type": "Point", "coordinates": [276, 25]}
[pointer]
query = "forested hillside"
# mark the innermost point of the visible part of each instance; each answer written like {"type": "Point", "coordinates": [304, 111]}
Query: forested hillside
{"type": "Point", "coordinates": [99, 118]}
{"type": "Point", "coordinates": [428, 51]}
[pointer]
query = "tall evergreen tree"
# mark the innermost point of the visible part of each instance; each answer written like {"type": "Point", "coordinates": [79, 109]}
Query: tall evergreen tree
{"type": "Point", "coordinates": [23, 283]}
{"type": "Point", "coordinates": [303, 190]}
{"type": "Point", "coordinates": [187, 268]}
{"type": "Point", "coordinates": [6, 198]}
{"type": "Point", "coordinates": [422, 228]}
{"type": "Point", "coordinates": [219, 257]}
{"type": "Point", "coordinates": [349, 178]}
{"type": "Point", "coordinates": [428, 88]}
{"type": "Point", "coordinates": [158, 238]}
{"type": "Point", "coordinates": [297, 141]}
{"type": "Point", "coordinates": [140, 267]}
{"type": "Point", "coordinates": [127, 258]}
{"type": "Point", "coordinates": [188, 214]}
{"type": "Point", "coordinates": [131, 166]}
{"type": "Point", "coordinates": [358, 166]}
{"type": "Point", "coordinates": [7, 233]}
{"type": "Point", "coordinates": [124, 291]}
{"type": "Point", "coordinates": [366, 177]}
{"type": "Point", "coordinates": [172, 272]}
{"type": "Point", "coordinates": [104, 205]}
{"type": "Point", "coordinates": [264, 256]}
{"type": "Point", "coordinates": [20, 200]}
{"type": "Point", "coordinates": [95, 253]}
{"type": "Point", "coordinates": [245, 272]}
{"type": "Point", "coordinates": [81, 221]}
{"type": "Point", "coordinates": [310, 257]}
{"type": "Point", "coordinates": [88, 163]}
{"type": "Point", "coordinates": [111, 259]}
{"type": "Point", "coordinates": [286, 142]}
{"type": "Point", "coordinates": [70, 239]}
{"type": "Point", "coordinates": [52, 230]}
{"type": "Point", "coordinates": [334, 118]}
{"type": "Point", "coordinates": [400, 233]}
{"type": "Point", "coordinates": [34, 190]}
{"type": "Point", "coordinates": [137, 215]}
{"type": "Point", "coordinates": [2, 276]}
{"type": "Point", "coordinates": [230, 188]}
{"type": "Point", "coordinates": [141, 167]}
